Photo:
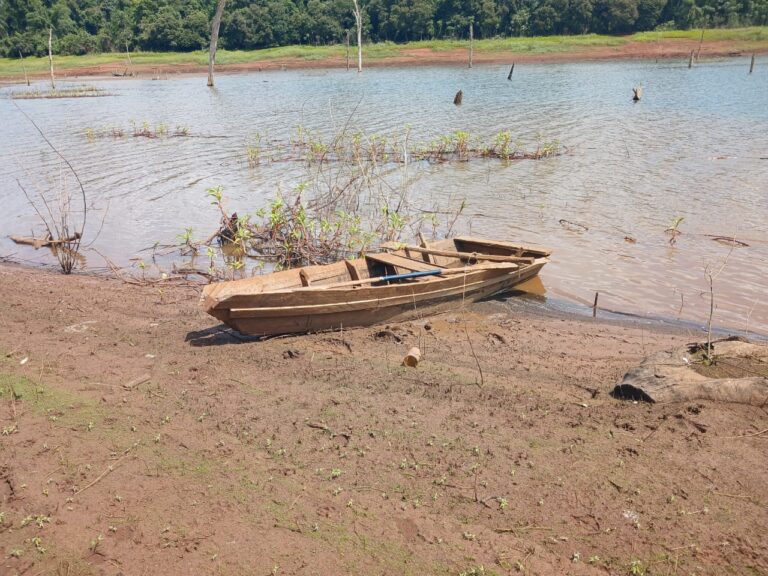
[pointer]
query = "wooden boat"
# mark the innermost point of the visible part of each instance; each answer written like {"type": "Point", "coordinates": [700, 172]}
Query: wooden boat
{"type": "Point", "coordinates": [400, 283]}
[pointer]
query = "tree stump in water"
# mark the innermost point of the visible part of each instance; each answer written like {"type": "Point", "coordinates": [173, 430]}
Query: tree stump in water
{"type": "Point", "coordinates": [458, 98]}
{"type": "Point", "coordinates": [638, 93]}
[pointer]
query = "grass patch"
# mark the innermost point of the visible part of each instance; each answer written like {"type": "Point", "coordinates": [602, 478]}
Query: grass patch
{"type": "Point", "coordinates": [196, 466]}
{"type": "Point", "coordinates": [532, 45]}
{"type": "Point", "coordinates": [60, 406]}
{"type": "Point", "coordinates": [751, 34]}
{"type": "Point", "coordinates": [390, 556]}
{"type": "Point", "coordinates": [755, 36]}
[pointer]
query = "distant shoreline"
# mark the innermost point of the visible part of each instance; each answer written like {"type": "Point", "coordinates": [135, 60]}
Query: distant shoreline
{"type": "Point", "coordinates": [679, 45]}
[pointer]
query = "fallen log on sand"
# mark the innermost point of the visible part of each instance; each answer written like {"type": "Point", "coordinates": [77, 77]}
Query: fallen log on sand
{"type": "Point", "coordinates": [47, 241]}
{"type": "Point", "coordinates": [738, 372]}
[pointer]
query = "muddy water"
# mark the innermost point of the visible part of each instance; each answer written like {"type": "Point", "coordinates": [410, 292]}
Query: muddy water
{"type": "Point", "coordinates": [695, 147]}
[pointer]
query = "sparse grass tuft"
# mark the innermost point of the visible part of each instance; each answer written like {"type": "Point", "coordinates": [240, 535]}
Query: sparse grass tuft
{"type": "Point", "coordinates": [59, 406]}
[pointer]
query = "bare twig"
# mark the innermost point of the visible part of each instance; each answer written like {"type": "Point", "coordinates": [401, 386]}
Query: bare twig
{"type": "Point", "coordinates": [111, 468]}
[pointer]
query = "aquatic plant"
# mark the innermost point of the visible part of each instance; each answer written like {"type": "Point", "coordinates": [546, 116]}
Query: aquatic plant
{"type": "Point", "coordinates": [395, 148]}
{"type": "Point", "coordinates": [143, 129]}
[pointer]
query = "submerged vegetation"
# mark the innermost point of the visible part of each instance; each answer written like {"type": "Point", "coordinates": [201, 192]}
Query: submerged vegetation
{"type": "Point", "coordinates": [394, 148]}
{"type": "Point", "coordinates": [74, 92]}
{"type": "Point", "coordinates": [138, 130]}
{"type": "Point", "coordinates": [354, 195]}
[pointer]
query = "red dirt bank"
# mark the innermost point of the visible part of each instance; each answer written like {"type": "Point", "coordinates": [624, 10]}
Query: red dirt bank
{"type": "Point", "coordinates": [668, 49]}
{"type": "Point", "coordinates": [321, 455]}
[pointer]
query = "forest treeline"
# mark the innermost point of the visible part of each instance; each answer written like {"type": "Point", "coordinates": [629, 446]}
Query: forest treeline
{"type": "Point", "coordinates": [85, 26]}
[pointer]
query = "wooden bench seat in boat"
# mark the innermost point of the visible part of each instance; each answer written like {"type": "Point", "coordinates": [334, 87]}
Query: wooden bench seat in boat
{"type": "Point", "coordinates": [401, 262]}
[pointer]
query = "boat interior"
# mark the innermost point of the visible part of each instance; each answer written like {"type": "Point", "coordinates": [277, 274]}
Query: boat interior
{"type": "Point", "coordinates": [397, 263]}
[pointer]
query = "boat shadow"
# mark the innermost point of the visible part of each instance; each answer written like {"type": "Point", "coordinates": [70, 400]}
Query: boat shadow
{"type": "Point", "coordinates": [219, 335]}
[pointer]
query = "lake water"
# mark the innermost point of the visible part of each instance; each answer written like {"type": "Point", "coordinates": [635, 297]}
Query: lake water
{"type": "Point", "coordinates": [695, 147]}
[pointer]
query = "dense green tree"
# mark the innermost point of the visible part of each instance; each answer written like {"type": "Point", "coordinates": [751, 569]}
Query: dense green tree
{"type": "Point", "coordinates": [82, 26]}
{"type": "Point", "coordinates": [579, 17]}
{"type": "Point", "coordinates": [616, 16]}
{"type": "Point", "coordinates": [648, 13]}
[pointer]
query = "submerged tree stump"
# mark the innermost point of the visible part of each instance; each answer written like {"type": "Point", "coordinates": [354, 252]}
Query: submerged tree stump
{"type": "Point", "coordinates": [458, 98]}
{"type": "Point", "coordinates": [738, 373]}
{"type": "Point", "coordinates": [637, 93]}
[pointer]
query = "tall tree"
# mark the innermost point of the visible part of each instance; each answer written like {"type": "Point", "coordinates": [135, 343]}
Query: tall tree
{"type": "Point", "coordinates": [214, 38]}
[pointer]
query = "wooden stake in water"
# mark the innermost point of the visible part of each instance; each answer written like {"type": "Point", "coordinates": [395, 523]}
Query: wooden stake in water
{"type": "Point", "coordinates": [128, 54]}
{"type": "Point", "coordinates": [471, 42]}
{"type": "Point", "coordinates": [511, 71]}
{"type": "Point", "coordinates": [701, 40]}
{"type": "Point", "coordinates": [690, 60]}
{"type": "Point", "coordinates": [752, 64]}
{"type": "Point", "coordinates": [347, 49]}
{"type": "Point", "coordinates": [359, 26]}
{"type": "Point", "coordinates": [24, 67]}
{"type": "Point", "coordinates": [594, 306]}
{"type": "Point", "coordinates": [50, 57]}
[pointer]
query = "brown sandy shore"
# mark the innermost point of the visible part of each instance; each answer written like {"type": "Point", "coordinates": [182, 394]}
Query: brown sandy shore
{"type": "Point", "coordinates": [321, 455]}
{"type": "Point", "coordinates": [671, 48]}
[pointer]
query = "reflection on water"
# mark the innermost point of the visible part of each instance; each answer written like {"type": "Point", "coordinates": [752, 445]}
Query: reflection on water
{"type": "Point", "coordinates": [695, 147]}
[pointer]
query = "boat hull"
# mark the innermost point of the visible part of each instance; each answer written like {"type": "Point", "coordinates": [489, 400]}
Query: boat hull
{"type": "Point", "coordinates": [325, 310]}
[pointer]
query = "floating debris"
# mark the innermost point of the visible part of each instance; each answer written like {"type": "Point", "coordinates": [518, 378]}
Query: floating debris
{"type": "Point", "coordinates": [573, 226]}
{"type": "Point", "coordinates": [727, 240]}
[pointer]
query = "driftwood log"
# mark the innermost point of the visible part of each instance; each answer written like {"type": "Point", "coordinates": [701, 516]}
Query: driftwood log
{"type": "Point", "coordinates": [669, 377]}
{"type": "Point", "coordinates": [47, 241]}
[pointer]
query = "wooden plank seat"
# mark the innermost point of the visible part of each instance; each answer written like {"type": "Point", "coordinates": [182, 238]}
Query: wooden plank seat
{"type": "Point", "coordinates": [401, 262]}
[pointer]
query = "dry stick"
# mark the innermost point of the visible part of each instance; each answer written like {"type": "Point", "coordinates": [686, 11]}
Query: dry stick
{"type": "Point", "coordinates": [711, 314]}
{"type": "Point", "coordinates": [739, 497]}
{"type": "Point", "coordinates": [511, 71]}
{"type": "Point", "coordinates": [748, 435]}
{"type": "Point", "coordinates": [60, 155]}
{"type": "Point", "coordinates": [752, 64]}
{"type": "Point", "coordinates": [110, 468]}
{"type": "Point", "coordinates": [50, 56]}
{"type": "Point", "coordinates": [24, 67]}
{"type": "Point", "coordinates": [690, 60]}
{"type": "Point", "coordinates": [711, 277]}
{"type": "Point", "coordinates": [472, 349]}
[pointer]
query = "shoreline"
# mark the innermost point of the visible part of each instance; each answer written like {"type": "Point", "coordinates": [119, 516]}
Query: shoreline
{"type": "Point", "coordinates": [531, 303]}
{"type": "Point", "coordinates": [666, 49]}
{"type": "Point", "coordinates": [322, 450]}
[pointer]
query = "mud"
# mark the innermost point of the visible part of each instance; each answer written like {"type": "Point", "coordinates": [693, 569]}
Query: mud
{"type": "Point", "coordinates": [321, 454]}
